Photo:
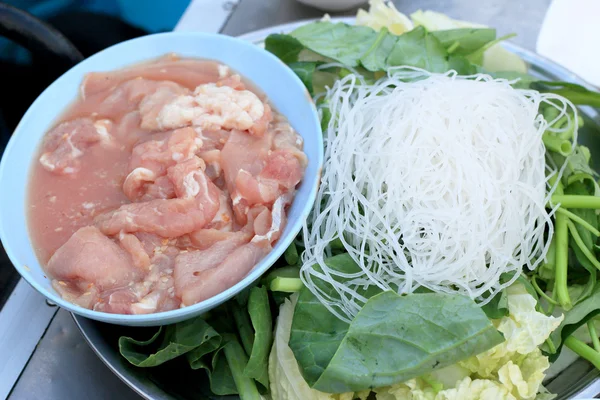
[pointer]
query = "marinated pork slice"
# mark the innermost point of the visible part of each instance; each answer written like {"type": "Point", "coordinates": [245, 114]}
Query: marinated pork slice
{"type": "Point", "coordinates": [190, 265]}
{"type": "Point", "coordinates": [135, 248]}
{"type": "Point", "coordinates": [195, 282]}
{"type": "Point", "coordinates": [164, 150]}
{"type": "Point", "coordinates": [213, 107]}
{"type": "Point", "coordinates": [255, 174]}
{"type": "Point", "coordinates": [286, 138]}
{"type": "Point", "coordinates": [187, 73]}
{"type": "Point", "coordinates": [151, 159]}
{"type": "Point", "coordinates": [213, 161]}
{"type": "Point", "coordinates": [244, 152]}
{"type": "Point", "coordinates": [152, 104]}
{"type": "Point", "coordinates": [123, 98]}
{"type": "Point", "coordinates": [212, 139]}
{"type": "Point", "coordinates": [168, 218]}
{"type": "Point", "coordinates": [91, 258]}
{"type": "Point", "coordinates": [189, 180]}
{"type": "Point", "coordinates": [66, 144]}
{"type": "Point", "coordinates": [161, 188]}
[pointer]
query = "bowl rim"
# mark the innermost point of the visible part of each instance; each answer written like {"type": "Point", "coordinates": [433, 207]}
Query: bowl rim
{"type": "Point", "coordinates": [155, 319]}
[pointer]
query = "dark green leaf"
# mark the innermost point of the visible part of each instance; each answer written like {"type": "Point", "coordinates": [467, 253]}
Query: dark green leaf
{"type": "Point", "coordinates": [316, 335]}
{"type": "Point", "coordinates": [464, 41]}
{"type": "Point", "coordinates": [461, 65]}
{"type": "Point", "coordinates": [291, 254]}
{"type": "Point", "coordinates": [244, 326]}
{"type": "Point", "coordinates": [305, 71]}
{"type": "Point", "coordinates": [286, 47]}
{"type": "Point", "coordinates": [476, 56]}
{"type": "Point", "coordinates": [574, 318]}
{"type": "Point", "coordinates": [211, 343]}
{"type": "Point", "coordinates": [422, 331]}
{"type": "Point", "coordinates": [587, 289]}
{"type": "Point", "coordinates": [341, 42]}
{"type": "Point", "coordinates": [260, 314]}
{"type": "Point", "coordinates": [497, 307]}
{"type": "Point", "coordinates": [419, 48]}
{"type": "Point", "coordinates": [375, 57]}
{"type": "Point", "coordinates": [576, 93]}
{"type": "Point", "coordinates": [173, 341]}
{"type": "Point", "coordinates": [220, 377]}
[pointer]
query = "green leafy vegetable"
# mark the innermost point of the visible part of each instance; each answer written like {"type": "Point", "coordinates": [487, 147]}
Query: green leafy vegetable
{"type": "Point", "coordinates": [576, 93]}
{"type": "Point", "coordinates": [237, 359]}
{"type": "Point", "coordinates": [286, 47]}
{"type": "Point", "coordinates": [169, 342]}
{"type": "Point", "coordinates": [305, 71]}
{"type": "Point", "coordinates": [464, 41]}
{"type": "Point", "coordinates": [574, 318]}
{"type": "Point", "coordinates": [291, 254]}
{"type": "Point", "coordinates": [422, 331]}
{"type": "Point", "coordinates": [325, 38]}
{"type": "Point", "coordinates": [375, 59]}
{"type": "Point", "coordinates": [419, 48]}
{"type": "Point", "coordinates": [260, 314]}
{"type": "Point", "coordinates": [497, 307]}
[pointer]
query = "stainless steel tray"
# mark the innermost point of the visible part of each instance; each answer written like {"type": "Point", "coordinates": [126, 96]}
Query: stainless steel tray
{"type": "Point", "coordinates": [578, 381]}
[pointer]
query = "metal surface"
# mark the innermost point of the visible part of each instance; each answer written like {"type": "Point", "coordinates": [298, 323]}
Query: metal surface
{"type": "Point", "coordinates": [79, 373]}
{"type": "Point", "coordinates": [64, 367]}
{"type": "Point", "coordinates": [578, 381]}
{"type": "Point", "coordinates": [19, 336]}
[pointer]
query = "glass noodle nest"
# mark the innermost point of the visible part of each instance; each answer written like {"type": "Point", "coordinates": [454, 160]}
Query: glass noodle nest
{"type": "Point", "coordinates": [421, 197]}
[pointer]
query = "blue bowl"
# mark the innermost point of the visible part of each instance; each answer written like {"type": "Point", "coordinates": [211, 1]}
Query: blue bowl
{"type": "Point", "coordinates": [267, 72]}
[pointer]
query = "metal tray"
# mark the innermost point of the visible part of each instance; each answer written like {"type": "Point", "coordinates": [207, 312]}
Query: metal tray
{"type": "Point", "coordinates": [579, 380]}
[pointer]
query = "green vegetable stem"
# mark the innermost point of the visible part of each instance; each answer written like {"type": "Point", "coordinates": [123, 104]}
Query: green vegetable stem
{"type": "Point", "coordinates": [237, 360]}
{"type": "Point", "coordinates": [583, 350]}
{"type": "Point", "coordinates": [561, 232]}
{"type": "Point", "coordinates": [576, 201]}
{"type": "Point", "coordinates": [559, 145]}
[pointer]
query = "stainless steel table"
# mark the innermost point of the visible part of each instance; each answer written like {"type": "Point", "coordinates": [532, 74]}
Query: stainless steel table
{"type": "Point", "coordinates": [61, 366]}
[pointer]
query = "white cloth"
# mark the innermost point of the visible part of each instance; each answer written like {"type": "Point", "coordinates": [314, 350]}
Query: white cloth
{"type": "Point", "coordinates": [569, 36]}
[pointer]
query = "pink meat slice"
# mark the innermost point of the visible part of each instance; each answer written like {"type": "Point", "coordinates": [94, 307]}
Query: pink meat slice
{"type": "Point", "coordinates": [258, 175]}
{"type": "Point", "coordinates": [136, 250]}
{"type": "Point", "coordinates": [168, 218]}
{"type": "Point", "coordinates": [187, 73]}
{"type": "Point", "coordinates": [92, 258]}
{"type": "Point", "coordinates": [151, 159]}
{"type": "Point", "coordinates": [213, 161]}
{"type": "Point", "coordinates": [161, 188]}
{"type": "Point", "coordinates": [123, 98]}
{"type": "Point", "coordinates": [196, 280]}
{"type": "Point", "coordinates": [189, 180]}
{"type": "Point", "coordinates": [213, 139]}
{"type": "Point", "coordinates": [244, 152]}
{"type": "Point", "coordinates": [283, 167]}
{"type": "Point", "coordinates": [189, 266]}
{"type": "Point", "coordinates": [164, 150]}
{"type": "Point", "coordinates": [286, 138]}
{"type": "Point", "coordinates": [66, 144]}
{"type": "Point", "coordinates": [223, 219]}
{"type": "Point", "coordinates": [151, 105]}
